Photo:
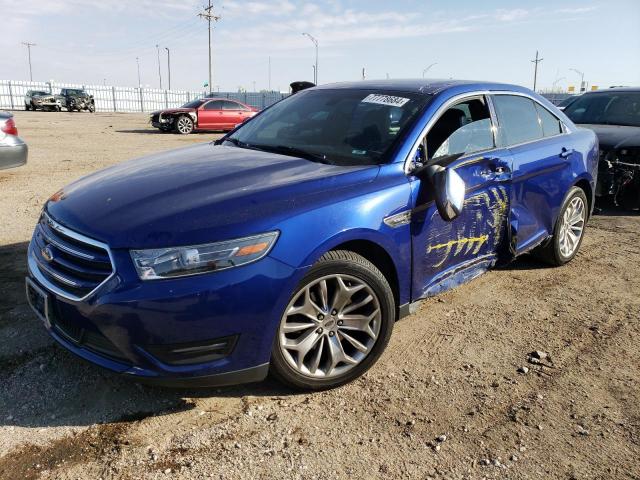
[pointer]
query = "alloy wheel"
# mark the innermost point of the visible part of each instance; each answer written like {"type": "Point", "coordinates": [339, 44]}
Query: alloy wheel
{"type": "Point", "coordinates": [184, 125]}
{"type": "Point", "coordinates": [330, 326]}
{"type": "Point", "coordinates": [573, 221]}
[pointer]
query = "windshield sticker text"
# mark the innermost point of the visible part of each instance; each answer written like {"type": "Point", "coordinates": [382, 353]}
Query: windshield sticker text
{"type": "Point", "coordinates": [385, 100]}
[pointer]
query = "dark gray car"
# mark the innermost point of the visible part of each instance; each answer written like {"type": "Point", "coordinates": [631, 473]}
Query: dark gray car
{"type": "Point", "coordinates": [13, 150]}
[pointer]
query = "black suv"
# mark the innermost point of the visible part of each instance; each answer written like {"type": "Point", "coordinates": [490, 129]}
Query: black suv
{"type": "Point", "coordinates": [614, 114]}
{"type": "Point", "coordinates": [77, 99]}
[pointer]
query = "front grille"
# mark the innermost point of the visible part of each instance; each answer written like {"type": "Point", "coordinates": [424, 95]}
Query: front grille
{"type": "Point", "coordinates": [71, 264]}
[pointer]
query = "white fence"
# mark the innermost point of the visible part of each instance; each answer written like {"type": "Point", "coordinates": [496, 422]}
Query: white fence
{"type": "Point", "coordinates": [126, 99]}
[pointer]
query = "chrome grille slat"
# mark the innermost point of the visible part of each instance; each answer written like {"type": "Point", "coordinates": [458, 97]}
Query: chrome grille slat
{"type": "Point", "coordinates": [68, 263]}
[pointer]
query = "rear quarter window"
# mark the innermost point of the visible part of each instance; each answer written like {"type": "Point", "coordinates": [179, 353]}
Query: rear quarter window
{"type": "Point", "coordinates": [550, 124]}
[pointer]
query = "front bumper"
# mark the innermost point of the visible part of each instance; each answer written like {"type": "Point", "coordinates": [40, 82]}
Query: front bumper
{"type": "Point", "coordinates": [125, 322]}
{"type": "Point", "coordinates": [13, 153]}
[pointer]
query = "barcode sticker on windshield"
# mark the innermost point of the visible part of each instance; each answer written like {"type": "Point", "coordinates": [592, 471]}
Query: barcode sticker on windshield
{"type": "Point", "coordinates": [381, 99]}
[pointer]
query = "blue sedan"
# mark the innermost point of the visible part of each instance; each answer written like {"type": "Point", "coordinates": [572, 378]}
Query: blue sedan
{"type": "Point", "coordinates": [293, 244]}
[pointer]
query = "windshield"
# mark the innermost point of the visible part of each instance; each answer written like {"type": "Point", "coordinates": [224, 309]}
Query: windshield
{"type": "Point", "coordinates": [610, 108]}
{"type": "Point", "coordinates": [39, 93]}
{"type": "Point", "coordinates": [342, 126]}
{"type": "Point", "coordinates": [193, 104]}
{"type": "Point", "coordinates": [566, 101]}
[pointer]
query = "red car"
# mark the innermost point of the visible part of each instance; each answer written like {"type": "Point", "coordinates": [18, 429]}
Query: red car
{"type": "Point", "coordinates": [213, 114]}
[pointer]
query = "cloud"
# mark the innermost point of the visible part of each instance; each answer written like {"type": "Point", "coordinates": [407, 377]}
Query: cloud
{"type": "Point", "coordinates": [511, 15]}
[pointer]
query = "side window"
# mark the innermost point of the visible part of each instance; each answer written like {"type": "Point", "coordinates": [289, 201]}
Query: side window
{"type": "Point", "coordinates": [215, 105]}
{"type": "Point", "coordinates": [550, 124]}
{"type": "Point", "coordinates": [518, 119]}
{"type": "Point", "coordinates": [229, 105]}
{"type": "Point", "coordinates": [463, 128]}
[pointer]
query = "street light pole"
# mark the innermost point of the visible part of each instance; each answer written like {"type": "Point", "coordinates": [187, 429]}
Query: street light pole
{"type": "Point", "coordinates": [168, 65]}
{"type": "Point", "coordinates": [138, 63]}
{"type": "Point", "coordinates": [159, 72]}
{"type": "Point", "coordinates": [581, 78]}
{"type": "Point", "coordinates": [315, 42]}
{"type": "Point", "coordinates": [29, 45]}
{"type": "Point", "coordinates": [424, 72]}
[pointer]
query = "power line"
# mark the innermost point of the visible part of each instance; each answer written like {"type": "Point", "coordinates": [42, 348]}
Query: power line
{"type": "Point", "coordinates": [29, 45]}
{"type": "Point", "coordinates": [209, 15]}
{"type": "Point", "coordinates": [535, 71]}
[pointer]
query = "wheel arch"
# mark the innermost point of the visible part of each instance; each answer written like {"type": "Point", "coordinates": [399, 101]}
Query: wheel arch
{"type": "Point", "coordinates": [380, 258]}
{"type": "Point", "coordinates": [585, 185]}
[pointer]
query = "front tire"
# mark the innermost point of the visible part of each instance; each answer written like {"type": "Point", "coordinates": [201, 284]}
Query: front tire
{"type": "Point", "coordinates": [184, 125]}
{"type": "Point", "coordinates": [568, 231]}
{"type": "Point", "coordinates": [336, 325]}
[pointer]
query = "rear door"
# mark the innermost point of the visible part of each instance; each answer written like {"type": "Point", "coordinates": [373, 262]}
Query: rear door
{"type": "Point", "coordinates": [542, 158]}
{"type": "Point", "coordinates": [210, 115]}
{"type": "Point", "coordinates": [447, 253]}
{"type": "Point", "coordinates": [234, 113]}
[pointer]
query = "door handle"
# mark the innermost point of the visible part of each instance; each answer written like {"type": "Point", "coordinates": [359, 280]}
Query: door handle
{"type": "Point", "coordinates": [566, 152]}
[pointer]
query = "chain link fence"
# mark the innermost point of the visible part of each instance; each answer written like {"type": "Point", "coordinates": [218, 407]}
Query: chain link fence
{"type": "Point", "coordinates": [126, 99]}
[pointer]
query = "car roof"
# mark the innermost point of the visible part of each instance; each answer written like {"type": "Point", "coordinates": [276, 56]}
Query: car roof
{"type": "Point", "coordinates": [424, 86]}
{"type": "Point", "coordinates": [615, 89]}
{"type": "Point", "coordinates": [220, 98]}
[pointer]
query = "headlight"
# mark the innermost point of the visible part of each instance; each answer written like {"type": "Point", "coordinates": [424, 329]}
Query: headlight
{"type": "Point", "coordinates": [196, 259]}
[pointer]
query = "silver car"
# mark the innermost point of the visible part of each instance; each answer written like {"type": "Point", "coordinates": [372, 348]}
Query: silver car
{"type": "Point", "coordinates": [13, 150]}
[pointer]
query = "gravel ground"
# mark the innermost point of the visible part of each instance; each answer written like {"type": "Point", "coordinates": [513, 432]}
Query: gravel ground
{"type": "Point", "coordinates": [456, 395]}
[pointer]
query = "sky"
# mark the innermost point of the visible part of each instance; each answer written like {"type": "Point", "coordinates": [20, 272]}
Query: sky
{"type": "Point", "coordinates": [97, 41]}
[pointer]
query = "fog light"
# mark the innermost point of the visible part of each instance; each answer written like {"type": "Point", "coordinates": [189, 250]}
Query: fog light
{"type": "Point", "coordinates": [194, 352]}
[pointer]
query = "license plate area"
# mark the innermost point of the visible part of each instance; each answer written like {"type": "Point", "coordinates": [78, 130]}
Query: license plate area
{"type": "Point", "coordinates": [39, 301]}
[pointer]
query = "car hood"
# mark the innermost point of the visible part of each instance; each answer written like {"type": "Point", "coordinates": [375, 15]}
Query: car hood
{"type": "Point", "coordinates": [199, 194]}
{"type": "Point", "coordinates": [615, 136]}
{"type": "Point", "coordinates": [174, 110]}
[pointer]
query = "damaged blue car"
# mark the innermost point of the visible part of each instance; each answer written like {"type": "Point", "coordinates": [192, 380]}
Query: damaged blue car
{"type": "Point", "coordinates": [292, 245]}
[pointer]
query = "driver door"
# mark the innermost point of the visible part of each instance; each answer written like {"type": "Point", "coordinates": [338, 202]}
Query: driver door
{"type": "Point", "coordinates": [448, 253]}
{"type": "Point", "coordinates": [210, 115]}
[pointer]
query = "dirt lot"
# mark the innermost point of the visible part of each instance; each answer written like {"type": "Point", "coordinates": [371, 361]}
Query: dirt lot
{"type": "Point", "coordinates": [451, 370]}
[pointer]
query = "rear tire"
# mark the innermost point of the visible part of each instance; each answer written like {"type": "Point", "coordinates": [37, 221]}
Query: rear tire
{"type": "Point", "coordinates": [568, 231]}
{"type": "Point", "coordinates": [344, 311]}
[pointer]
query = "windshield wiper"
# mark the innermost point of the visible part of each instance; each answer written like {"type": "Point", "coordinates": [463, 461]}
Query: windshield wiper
{"type": "Point", "coordinates": [293, 151]}
{"type": "Point", "coordinates": [238, 143]}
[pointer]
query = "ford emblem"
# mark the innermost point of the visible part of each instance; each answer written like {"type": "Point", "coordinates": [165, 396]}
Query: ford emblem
{"type": "Point", "coordinates": [47, 254]}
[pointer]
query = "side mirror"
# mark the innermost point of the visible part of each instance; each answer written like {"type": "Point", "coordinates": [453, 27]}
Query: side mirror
{"type": "Point", "coordinates": [448, 188]}
{"type": "Point", "coordinates": [449, 192]}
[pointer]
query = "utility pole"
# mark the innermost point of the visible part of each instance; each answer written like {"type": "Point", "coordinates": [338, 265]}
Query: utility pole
{"type": "Point", "coordinates": [209, 15]}
{"type": "Point", "coordinates": [29, 45]}
{"type": "Point", "coordinates": [138, 63]}
{"type": "Point", "coordinates": [159, 73]}
{"type": "Point", "coordinates": [364, 74]}
{"type": "Point", "coordinates": [315, 71]}
{"type": "Point", "coordinates": [535, 71]}
{"type": "Point", "coordinates": [168, 65]}
{"type": "Point", "coordinates": [424, 72]}
{"type": "Point", "coordinates": [582, 85]}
